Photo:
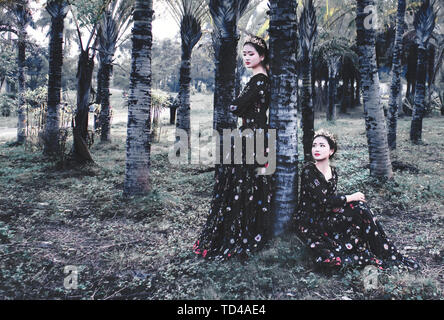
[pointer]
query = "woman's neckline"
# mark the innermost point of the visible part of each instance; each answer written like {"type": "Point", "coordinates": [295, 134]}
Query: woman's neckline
{"type": "Point", "coordinates": [331, 169]}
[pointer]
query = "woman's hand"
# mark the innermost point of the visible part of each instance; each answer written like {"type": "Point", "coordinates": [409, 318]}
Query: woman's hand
{"type": "Point", "coordinates": [357, 196]}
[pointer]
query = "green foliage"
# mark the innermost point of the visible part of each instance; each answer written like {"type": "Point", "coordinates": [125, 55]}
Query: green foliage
{"type": "Point", "coordinates": [7, 104]}
{"type": "Point", "coordinates": [8, 65]}
{"type": "Point", "coordinates": [89, 12]}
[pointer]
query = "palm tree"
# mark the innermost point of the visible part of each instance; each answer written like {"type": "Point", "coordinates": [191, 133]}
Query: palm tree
{"type": "Point", "coordinates": [380, 165]}
{"type": "Point", "coordinates": [333, 50]}
{"type": "Point", "coordinates": [85, 67]}
{"type": "Point", "coordinates": [424, 24]}
{"type": "Point", "coordinates": [138, 141]}
{"type": "Point", "coordinates": [333, 63]}
{"type": "Point", "coordinates": [307, 38]}
{"type": "Point", "coordinates": [395, 88]}
{"type": "Point", "coordinates": [21, 17]}
{"type": "Point", "coordinates": [115, 21]}
{"type": "Point", "coordinates": [57, 9]}
{"type": "Point", "coordinates": [283, 107]}
{"type": "Point", "coordinates": [189, 15]}
{"type": "Point", "coordinates": [225, 16]}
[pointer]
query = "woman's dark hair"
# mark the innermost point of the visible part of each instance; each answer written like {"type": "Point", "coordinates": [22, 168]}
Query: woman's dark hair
{"type": "Point", "coordinates": [331, 139]}
{"type": "Point", "coordinates": [261, 47]}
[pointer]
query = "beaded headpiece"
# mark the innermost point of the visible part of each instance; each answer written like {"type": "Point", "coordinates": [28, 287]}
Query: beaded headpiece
{"type": "Point", "coordinates": [325, 133]}
{"type": "Point", "coordinates": [256, 40]}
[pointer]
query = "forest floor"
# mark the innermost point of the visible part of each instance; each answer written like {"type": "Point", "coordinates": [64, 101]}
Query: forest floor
{"type": "Point", "coordinates": [53, 217]}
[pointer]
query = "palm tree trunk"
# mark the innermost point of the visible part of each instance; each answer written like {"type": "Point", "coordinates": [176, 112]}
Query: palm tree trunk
{"type": "Point", "coordinates": [331, 107]}
{"type": "Point", "coordinates": [80, 131]}
{"type": "Point", "coordinates": [138, 141]}
{"type": "Point", "coordinates": [105, 112]}
{"type": "Point", "coordinates": [380, 165]}
{"type": "Point", "coordinates": [332, 88]}
{"type": "Point", "coordinates": [419, 109]}
{"type": "Point", "coordinates": [307, 108]}
{"type": "Point", "coordinates": [54, 83]}
{"type": "Point", "coordinates": [226, 15]}
{"type": "Point", "coordinates": [424, 24]}
{"type": "Point", "coordinates": [430, 70]}
{"type": "Point", "coordinates": [395, 88]}
{"type": "Point", "coordinates": [225, 79]}
{"type": "Point", "coordinates": [283, 108]}
{"type": "Point", "coordinates": [183, 112]}
{"type": "Point", "coordinates": [21, 111]}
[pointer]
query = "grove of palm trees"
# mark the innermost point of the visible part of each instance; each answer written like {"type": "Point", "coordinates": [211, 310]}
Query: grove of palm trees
{"type": "Point", "coordinates": [110, 110]}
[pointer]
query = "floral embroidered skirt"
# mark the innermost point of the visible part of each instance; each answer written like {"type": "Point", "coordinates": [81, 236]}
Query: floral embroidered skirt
{"type": "Point", "coordinates": [240, 218]}
{"type": "Point", "coordinates": [350, 236]}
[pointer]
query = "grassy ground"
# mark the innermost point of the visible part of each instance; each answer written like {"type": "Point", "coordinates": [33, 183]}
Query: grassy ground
{"type": "Point", "coordinates": [140, 248]}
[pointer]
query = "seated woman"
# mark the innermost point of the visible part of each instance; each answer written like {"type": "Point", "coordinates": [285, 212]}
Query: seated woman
{"type": "Point", "coordinates": [340, 230]}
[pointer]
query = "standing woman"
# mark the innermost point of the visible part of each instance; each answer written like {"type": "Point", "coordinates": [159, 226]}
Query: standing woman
{"type": "Point", "coordinates": [340, 230]}
{"type": "Point", "coordinates": [239, 220]}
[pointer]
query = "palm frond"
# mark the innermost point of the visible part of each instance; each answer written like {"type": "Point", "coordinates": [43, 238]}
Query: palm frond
{"type": "Point", "coordinates": [223, 13]}
{"type": "Point", "coordinates": [307, 28]}
{"type": "Point", "coordinates": [57, 8]}
{"type": "Point", "coordinates": [190, 31]}
{"type": "Point", "coordinates": [424, 24]}
{"type": "Point", "coordinates": [180, 8]}
{"type": "Point", "coordinates": [329, 46]}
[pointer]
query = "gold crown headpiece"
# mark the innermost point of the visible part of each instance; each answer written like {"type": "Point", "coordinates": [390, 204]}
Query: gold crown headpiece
{"type": "Point", "coordinates": [256, 40]}
{"type": "Point", "coordinates": [325, 133]}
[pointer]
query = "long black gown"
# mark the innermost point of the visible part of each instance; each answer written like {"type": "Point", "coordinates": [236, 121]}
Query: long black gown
{"type": "Point", "coordinates": [341, 234]}
{"type": "Point", "coordinates": [239, 219]}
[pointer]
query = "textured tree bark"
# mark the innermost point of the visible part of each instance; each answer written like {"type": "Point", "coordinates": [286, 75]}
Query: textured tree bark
{"type": "Point", "coordinates": [380, 165]}
{"type": "Point", "coordinates": [183, 112]}
{"type": "Point", "coordinates": [333, 65]}
{"type": "Point", "coordinates": [424, 24]}
{"type": "Point", "coordinates": [225, 78]}
{"type": "Point", "coordinates": [226, 15]}
{"type": "Point", "coordinates": [108, 33]}
{"type": "Point", "coordinates": [58, 12]}
{"type": "Point", "coordinates": [395, 87]}
{"type": "Point", "coordinates": [419, 108]}
{"type": "Point", "coordinates": [138, 142]}
{"type": "Point", "coordinates": [190, 34]}
{"type": "Point", "coordinates": [307, 38]}
{"type": "Point", "coordinates": [283, 108]}
{"type": "Point", "coordinates": [105, 110]}
{"type": "Point", "coordinates": [21, 110]}
{"type": "Point", "coordinates": [307, 109]}
{"type": "Point", "coordinates": [85, 70]}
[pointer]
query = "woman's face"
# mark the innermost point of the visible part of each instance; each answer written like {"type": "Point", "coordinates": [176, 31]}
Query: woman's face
{"type": "Point", "coordinates": [320, 149]}
{"type": "Point", "coordinates": [251, 57]}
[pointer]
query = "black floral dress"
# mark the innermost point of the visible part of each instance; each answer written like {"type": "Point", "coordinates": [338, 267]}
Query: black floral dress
{"type": "Point", "coordinates": [341, 234]}
{"type": "Point", "coordinates": [239, 220]}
